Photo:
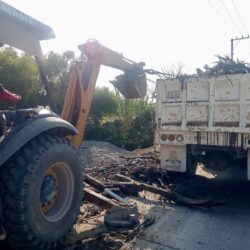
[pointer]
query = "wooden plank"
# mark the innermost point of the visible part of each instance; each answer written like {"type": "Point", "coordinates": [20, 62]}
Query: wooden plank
{"type": "Point", "coordinates": [98, 199]}
{"type": "Point", "coordinates": [94, 183]}
{"type": "Point", "coordinates": [84, 231]}
{"type": "Point", "coordinates": [171, 195]}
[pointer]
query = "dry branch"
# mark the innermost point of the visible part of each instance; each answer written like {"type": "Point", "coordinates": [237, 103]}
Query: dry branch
{"type": "Point", "coordinates": [170, 195]}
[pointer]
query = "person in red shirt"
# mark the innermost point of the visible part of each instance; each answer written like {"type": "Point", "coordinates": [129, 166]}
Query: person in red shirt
{"type": "Point", "coordinates": [6, 95]}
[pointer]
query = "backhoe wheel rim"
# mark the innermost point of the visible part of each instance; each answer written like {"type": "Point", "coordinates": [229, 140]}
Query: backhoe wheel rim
{"type": "Point", "coordinates": [56, 192]}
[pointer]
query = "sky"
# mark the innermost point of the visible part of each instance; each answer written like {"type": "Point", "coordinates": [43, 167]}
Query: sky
{"type": "Point", "coordinates": [161, 33]}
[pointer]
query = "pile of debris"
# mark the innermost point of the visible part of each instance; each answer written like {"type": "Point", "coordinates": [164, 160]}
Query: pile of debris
{"type": "Point", "coordinates": [103, 160]}
{"type": "Point", "coordinates": [132, 82]}
{"type": "Point", "coordinates": [114, 179]}
{"type": "Point", "coordinates": [224, 66]}
{"type": "Point", "coordinates": [127, 173]}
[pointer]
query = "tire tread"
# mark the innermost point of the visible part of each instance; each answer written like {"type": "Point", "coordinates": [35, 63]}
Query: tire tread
{"type": "Point", "coordinates": [15, 177]}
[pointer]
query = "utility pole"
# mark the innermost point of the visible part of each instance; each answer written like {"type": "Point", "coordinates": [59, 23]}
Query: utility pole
{"type": "Point", "coordinates": [232, 44]}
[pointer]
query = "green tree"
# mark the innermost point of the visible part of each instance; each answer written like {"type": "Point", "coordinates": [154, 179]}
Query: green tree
{"type": "Point", "coordinates": [141, 132]}
{"type": "Point", "coordinates": [19, 74]}
{"type": "Point", "coordinates": [137, 118]}
{"type": "Point", "coordinates": [57, 67]}
{"type": "Point", "coordinates": [103, 109]}
{"type": "Point", "coordinates": [125, 123]}
{"type": "Point", "coordinates": [104, 104]}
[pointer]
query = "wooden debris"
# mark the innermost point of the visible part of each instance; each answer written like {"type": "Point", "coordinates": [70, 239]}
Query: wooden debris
{"type": "Point", "coordinates": [94, 183]}
{"type": "Point", "coordinates": [98, 199]}
{"type": "Point", "coordinates": [127, 182]}
{"type": "Point", "coordinates": [168, 194]}
{"type": "Point", "coordinates": [84, 231]}
{"type": "Point", "coordinates": [138, 157]}
{"type": "Point", "coordinates": [224, 66]}
{"type": "Point", "coordinates": [101, 187]}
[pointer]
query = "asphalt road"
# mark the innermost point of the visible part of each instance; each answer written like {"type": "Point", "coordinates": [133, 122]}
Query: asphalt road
{"type": "Point", "coordinates": [224, 227]}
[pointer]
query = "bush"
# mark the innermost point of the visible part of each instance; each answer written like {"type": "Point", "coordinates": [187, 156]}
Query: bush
{"type": "Point", "coordinates": [130, 127]}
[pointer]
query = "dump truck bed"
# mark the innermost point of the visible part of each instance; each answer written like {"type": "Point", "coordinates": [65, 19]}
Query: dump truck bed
{"type": "Point", "coordinates": [206, 111]}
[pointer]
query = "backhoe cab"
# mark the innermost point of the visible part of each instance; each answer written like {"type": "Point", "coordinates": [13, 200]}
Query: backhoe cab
{"type": "Point", "coordinates": [41, 175]}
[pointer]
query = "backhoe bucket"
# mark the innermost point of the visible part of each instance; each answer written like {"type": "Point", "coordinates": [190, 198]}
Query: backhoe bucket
{"type": "Point", "coordinates": [131, 84]}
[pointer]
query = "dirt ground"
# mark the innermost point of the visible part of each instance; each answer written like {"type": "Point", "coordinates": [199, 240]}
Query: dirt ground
{"type": "Point", "coordinates": [224, 226]}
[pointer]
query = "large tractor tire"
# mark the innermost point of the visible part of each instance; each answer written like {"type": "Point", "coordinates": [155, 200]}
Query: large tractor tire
{"type": "Point", "coordinates": [43, 186]}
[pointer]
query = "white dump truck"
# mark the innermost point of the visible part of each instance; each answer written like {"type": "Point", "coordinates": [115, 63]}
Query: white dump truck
{"type": "Point", "coordinates": [203, 119]}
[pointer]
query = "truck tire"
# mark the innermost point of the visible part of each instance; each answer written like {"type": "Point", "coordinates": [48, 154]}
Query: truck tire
{"type": "Point", "coordinates": [191, 165]}
{"type": "Point", "coordinates": [43, 186]}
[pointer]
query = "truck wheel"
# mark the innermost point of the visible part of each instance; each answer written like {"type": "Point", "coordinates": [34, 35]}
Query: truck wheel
{"type": "Point", "coordinates": [191, 165]}
{"type": "Point", "coordinates": [43, 185]}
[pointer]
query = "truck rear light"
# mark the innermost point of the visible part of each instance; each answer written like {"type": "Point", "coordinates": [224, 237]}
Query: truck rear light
{"type": "Point", "coordinates": [171, 137]}
{"type": "Point", "coordinates": [164, 137]}
{"type": "Point", "coordinates": [179, 138]}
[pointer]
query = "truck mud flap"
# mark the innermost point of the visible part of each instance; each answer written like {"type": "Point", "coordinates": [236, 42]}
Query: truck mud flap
{"type": "Point", "coordinates": [174, 157]}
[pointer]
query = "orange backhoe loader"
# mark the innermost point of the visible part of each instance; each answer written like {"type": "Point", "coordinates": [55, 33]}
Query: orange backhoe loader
{"type": "Point", "coordinates": [82, 81]}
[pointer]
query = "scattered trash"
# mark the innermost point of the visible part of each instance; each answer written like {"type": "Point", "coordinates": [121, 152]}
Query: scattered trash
{"type": "Point", "coordinates": [146, 223]}
{"type": "Point", "coordinates": [102, 188]}
{"type": "Point", "coordinates": [89, 210]}
{"type": "Point", "coordinates": [168, 194]}
{"type": "Point", "coordinates": [107, 219]}
{"type": "Point", "coordinates": [121, 218]}
{"type": "Point", "coordinates": [107, 191]}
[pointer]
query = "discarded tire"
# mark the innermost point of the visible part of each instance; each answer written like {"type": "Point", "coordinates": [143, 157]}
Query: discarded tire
{"type": "Point", "coordinates": [43, 186]}
{"type": "Point", "coordinates": [122, 218]}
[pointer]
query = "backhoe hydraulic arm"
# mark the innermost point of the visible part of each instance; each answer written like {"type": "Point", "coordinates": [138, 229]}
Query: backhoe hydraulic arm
{"type": "Point", "coordinates": [83, 78]}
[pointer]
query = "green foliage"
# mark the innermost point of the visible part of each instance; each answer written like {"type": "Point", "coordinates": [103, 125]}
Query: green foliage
{"type": "Point", "coordinates": [57, 70]}
{"type": "Point", "coordinates": [20, 75]}
{"type": "Point", "coordinates": [103, 109]}
{"type": "Point", "coordinates": [137, 123]}
{"type": "Point", "coordinates": [140, 132]}
{"type": "Point", "coordinates": [125, 123]}
{"type": "Point", "coordinates": [103, 104]}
